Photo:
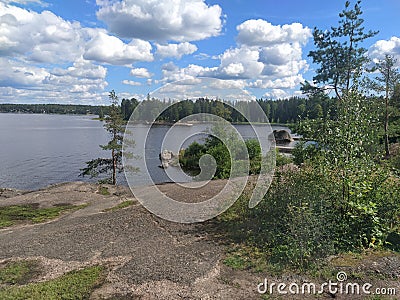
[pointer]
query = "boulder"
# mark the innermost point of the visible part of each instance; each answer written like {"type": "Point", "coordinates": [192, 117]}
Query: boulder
{"type": "Point", "coordinates": [282, 136]}
{"type": "Point", "coordinates": [168, 158]}
{"type": "Point", "coordinates": [166, 155]}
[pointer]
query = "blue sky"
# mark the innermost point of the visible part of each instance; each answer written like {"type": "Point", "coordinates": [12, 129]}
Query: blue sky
{"type": "Point", "coordinates": [77, 51]}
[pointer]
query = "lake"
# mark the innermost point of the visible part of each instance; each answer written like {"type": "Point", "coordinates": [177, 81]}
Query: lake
{"type": "Point", "coordinates": [41, 149]}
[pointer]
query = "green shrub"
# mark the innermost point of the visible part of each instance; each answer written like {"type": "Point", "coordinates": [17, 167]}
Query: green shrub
{"type": "Point", "coordinates": [303, 218]}
{"type": "Point", "coordinates": [282, 159]}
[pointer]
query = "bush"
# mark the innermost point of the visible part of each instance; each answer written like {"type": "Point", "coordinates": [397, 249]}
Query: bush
{"type": "Point", "coordinates": [282, 159]}
{"type": "Point", "coordinates": [304, 151]}
{"type": "Point", "coordinates": [303, 219]}
{"type": "Point", "coordinates": [190, 157]}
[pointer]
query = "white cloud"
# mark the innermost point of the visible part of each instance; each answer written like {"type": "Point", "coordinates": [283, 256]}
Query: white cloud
{"type": "Point", "coordinates": [78, 83]}
{"type": "Point", "coordinates": [280, 54]}
{"type": "Point", "coordinates": [211, 88]}
{"type": "Point", "coordinates": [276, 94]}
{"type": "Point", "coordinates": [41, 3]}
{"type": "Point", "coordinates": [262, 33]}
{"type": "Point", "coordinates": [392, 47]}
{"type": "Point", "coordinates": [131, 82]}
{"type": "Point", "coordinates": [289, 82]}
{"type": "Point", "coordinates": [233, 69]}
{"type": "Point", "coordinates": [172, 72]}
{"type": "Point", "coordinates": [280, 47]}
{"type": "Point", "coordinates": [111, 50]}
{"type": "Point", "coordinates": [82, 76]}
{"type": "Point", "coordinates": [175, 50]}
{"type": "Point", "coordinates": [125, 95]}
{"type": "Point", "coordinates": [202, 56]}
{"type": "Point", "coordinates": [20, 75]}
{"type": "Point", "coordinates": [82, 69]}
{"type": "Point", "coordinates": [237, 63]}
{"type": "Point", "coordinates": [228, 84]}
{"type": "Point", "coordinates": [177, 20]}
{"type": "Point", "coordinates": [268, 56]}
{"type": "Point", "coordinates": [240, 62]}
{"type": "Point", "coordinates": [46, 38]}
{"type": "Point", "coordinates": [140, 72]}
{"type": "Point", "coordinates": [42, 59]}
{"type": "Point", "coordinates": [39, 37]}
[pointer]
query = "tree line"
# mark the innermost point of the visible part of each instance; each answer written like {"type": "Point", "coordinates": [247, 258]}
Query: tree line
{"type": "Point", "coordinates": [74, 109]}
{"type": "Point", "coordinates": [290, 110]}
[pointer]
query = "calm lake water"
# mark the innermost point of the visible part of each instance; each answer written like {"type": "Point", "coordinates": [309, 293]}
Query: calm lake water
{"type": "Point", "coordinates": [40, 149]}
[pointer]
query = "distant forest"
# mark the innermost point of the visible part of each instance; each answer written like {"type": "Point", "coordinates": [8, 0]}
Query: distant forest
{"type": "Point", "coordinates": [53, 109]}
{"type": "Point", "coordinates": [284, 111]}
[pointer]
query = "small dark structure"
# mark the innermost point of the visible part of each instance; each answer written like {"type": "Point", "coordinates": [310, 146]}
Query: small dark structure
{"type": "Point", "coordinates": [282, 137]}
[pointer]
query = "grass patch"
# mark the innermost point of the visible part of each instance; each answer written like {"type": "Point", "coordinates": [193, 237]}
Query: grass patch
{"type": "Point", "coordinates": [11, 215]}
{"type": "Point", "coordinates": [19, 272]}
{"type": "Point", "coordinates": [120, 206]}
{"type": "Point", "coordinates": [104, 191]}
{"type": "Point", "coordinates": [246, 258]}
{"type": "Point", "coordinates": [73, 285]}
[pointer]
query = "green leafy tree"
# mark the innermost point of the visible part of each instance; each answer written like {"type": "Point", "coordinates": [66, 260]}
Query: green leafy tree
{"type": "Point", "coordinates": [114, 125]}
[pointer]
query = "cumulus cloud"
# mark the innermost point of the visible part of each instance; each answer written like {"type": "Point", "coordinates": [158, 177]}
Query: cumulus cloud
{"type": "Point", "coordinates": [140, 72]}
{"type": "Point", "coordinates": [20, 75]}
{"type": "Point", "coordinates": [111, 50]}
{"type": "Point", "coordinates": [240, 63]}
{"type": "Point", "coordinates": [392, 47]}
{"type": "Point", "coordinates": [268, 56]}
{"type": "Point", "coordinates": [212, 88]}
{"type": "Point", "coordinates": [43, 52]}
{"type": "Point", "coordinates": [40, 37]}
{"type": "Point", "coordinates": [172, 72]}
{"type": "Point", "coordinates": [276, 94]}
{"type": "Point", "coordinates": [82, 69]}
{"type": "Point", "coordinates": [262, 33]}
{"type": "Point", "coordinates": [46, 38]}
{"type": "Point", "coordinates": [79, 82]}
{"type": "Point", "coordinates": [175, 50]}
{"type": "Point", "coordinates": [237, 63]}
{"type": "Point", "coordinates": [228, 84]}
{"type": "Point", "coordinates": [289, 82]}
{"type": "Point", "coordinates": [177, 20]}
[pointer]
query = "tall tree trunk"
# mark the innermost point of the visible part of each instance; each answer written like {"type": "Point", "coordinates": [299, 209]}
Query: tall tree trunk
{"type": "Point", "coordinates": [114, 170]}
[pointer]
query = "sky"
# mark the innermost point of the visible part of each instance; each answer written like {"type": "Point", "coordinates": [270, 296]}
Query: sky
{"type": "Point", "coordinates": [76, 51]}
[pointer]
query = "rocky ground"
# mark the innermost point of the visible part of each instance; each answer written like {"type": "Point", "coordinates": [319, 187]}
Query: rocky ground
{"type": "Point", "coordinates": [146, 257]}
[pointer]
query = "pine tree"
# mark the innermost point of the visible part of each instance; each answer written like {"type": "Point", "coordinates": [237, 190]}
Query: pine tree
{"type": "Point", "coordinates": [114, 125]}
{"type": "Point", "coordinates": [339, 55]}
{"type": "Point", "coordinates": [386, 82]}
